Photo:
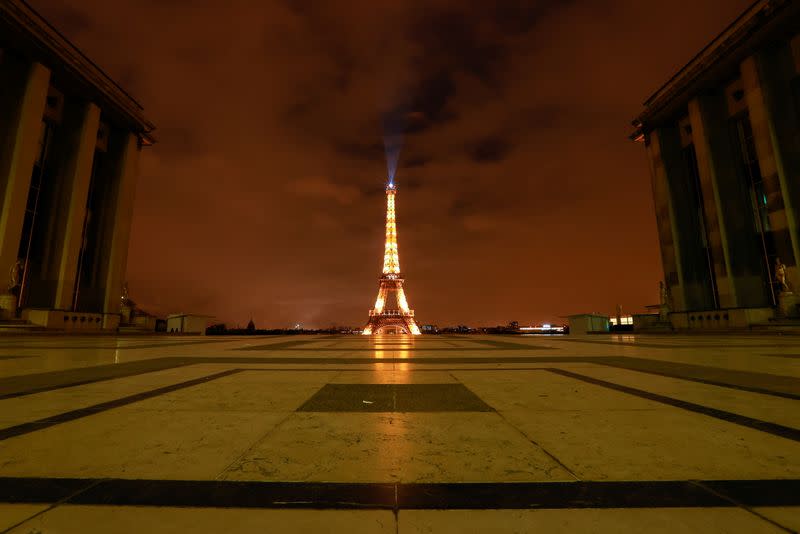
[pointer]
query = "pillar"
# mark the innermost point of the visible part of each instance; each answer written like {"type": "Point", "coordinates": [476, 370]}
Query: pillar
{"type": "Point", "coordinates": [689, 233]}
{"type": "Point", "coordinates": [670, 255]}
{"type": "Point", "coordinates": [78, 173]}
{"type": "Point", "coordinates": [730, 221]}
{"type": "Point", "coordinates": [20, 145]}
{"type": "Point", "coordinates": [767, 80]}
{"type": "Point", "coordinates": [121, 219]}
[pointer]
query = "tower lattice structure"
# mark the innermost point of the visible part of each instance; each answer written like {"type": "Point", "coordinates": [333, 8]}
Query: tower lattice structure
{"type": "Point", "coordinates": [384, 319]}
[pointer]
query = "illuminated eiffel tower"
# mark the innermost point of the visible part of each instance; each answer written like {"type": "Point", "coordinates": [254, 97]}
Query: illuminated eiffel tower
{"type": "Point", "coordinates": [384, 319]}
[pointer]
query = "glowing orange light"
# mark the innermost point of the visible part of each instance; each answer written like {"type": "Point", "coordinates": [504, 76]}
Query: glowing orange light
{"type": "Point", "coordinates": [391, 282]}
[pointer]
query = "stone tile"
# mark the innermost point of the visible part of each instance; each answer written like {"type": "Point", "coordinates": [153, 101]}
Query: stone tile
{"type": "Point", "coordinates": [248, 391]}
{"type": "Point", "coordinates": [394, 376]}
{"type": "Point", "coordinates": [666, 520]}
{"type": "Point", "coordinates": [756, 405]}
{"type": "Point", "coordinates": [664, 444]}
{"type": "Point", "coordinates": [46, 404]}
{"type": "Point", "coordinates": [543, 391]}
{"type": "Point", "coordinates": [786, 516]}
{"type": "Point", "coordinates": [418, 447]}
{"type": "Point", "coordinates": [135, 520]}
{"type": "Point", "coordinates": [128, 443]}
{"type": "Point", "coordinates": [394, 398]}
{"type": "Point", "coordinates": [352, 398]}
{"type": "Point", "coordinates": [11, 514]}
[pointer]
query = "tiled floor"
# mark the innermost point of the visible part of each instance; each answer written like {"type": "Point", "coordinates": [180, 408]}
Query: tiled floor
{"type": "Point", "coordinates": [394, 434]}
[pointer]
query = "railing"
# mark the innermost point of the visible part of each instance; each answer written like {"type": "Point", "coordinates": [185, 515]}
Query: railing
{"type": "Point", "coordinates": [392, 313]}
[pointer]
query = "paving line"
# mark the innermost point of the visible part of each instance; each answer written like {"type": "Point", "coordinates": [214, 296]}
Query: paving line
{"type": "Point", "coordinates": [730, 417]}
{"type": "Point", "coordinates": [47, 422]}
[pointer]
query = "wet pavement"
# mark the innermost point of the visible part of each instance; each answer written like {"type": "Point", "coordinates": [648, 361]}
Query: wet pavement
{"type": "Point", "coordinates": [400, 434]}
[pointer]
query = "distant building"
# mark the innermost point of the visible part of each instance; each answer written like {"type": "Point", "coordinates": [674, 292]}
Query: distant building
{"type": "Point", "coordinates": [187, 323]}
{"type": "Point", "coordinates": [429, 329]}
{"type": "Point", "coordinates": [588, 323]}
{"type": "Point", "coordinates": [723, 142]}
{"type": "Point", "coordinates": [70, 139]}
{"type": "Point", "coordinates": [621, 323]}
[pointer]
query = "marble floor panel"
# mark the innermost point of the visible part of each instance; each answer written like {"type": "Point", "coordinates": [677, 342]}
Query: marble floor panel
{"type": "Point", "coordinates": [661, 520]}
{"type": "Point", "coordinates": [25, 408]}
{"type": "Point", "coordinates": [786, 516]}
{"type": "Point", "coordinates": [14, 514]}
{"type": "Point", "coordinates": [659, 444]}
{"type": "Point", "coordinates": [604, 434]}
{"type": "Point", "coordinates": [126, 520]}
{"type": "Point", "coordinates": [396, 447]}
{"type": "Point", "coordinates": [539, 390]}
{"type": "Point", "coordinates": [765, 407]}
{"type": "Point", "coordinates": [131, 443]}
{"type": "Point", "coordinates": [394, 376]}
{"type": "Point", "coordinates": [404, 398]}
{"type": "Point", "coordinates": [246, 391]}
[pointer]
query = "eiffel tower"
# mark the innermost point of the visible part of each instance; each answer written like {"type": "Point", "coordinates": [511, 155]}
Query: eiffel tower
{"type": "Point", "coordinates": [384, 319]}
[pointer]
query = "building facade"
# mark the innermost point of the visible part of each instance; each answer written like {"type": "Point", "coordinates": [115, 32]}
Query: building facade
{"type": "Point", "coordinates": [723, 143]}
{"type": "Point", "coordinates": [70, 138]}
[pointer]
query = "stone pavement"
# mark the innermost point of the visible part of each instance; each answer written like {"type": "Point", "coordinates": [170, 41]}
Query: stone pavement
{"type": "Point", "coordinates": [398, 434]}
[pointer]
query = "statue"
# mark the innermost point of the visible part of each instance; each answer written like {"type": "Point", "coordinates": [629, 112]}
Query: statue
{"type": "Point", "coordinates": [780, 276]}
{"type": "Point", "coordinates": [125, 299]}
{"type": "Point", "coordinates": [664, 299]}
{"type": "Point", "coordinates": [15, 274]}
{"type": "Point", "coordinates": [127, 307]}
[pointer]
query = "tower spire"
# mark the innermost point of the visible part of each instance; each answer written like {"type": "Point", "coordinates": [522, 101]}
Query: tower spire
{"type": "Point", "coordinates": [383, 319]}
{"type": "Point", "coordinates": [391, 258]}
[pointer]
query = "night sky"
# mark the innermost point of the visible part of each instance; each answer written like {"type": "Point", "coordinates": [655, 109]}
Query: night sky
{"type": "Point", "coordinates": [520, 195]}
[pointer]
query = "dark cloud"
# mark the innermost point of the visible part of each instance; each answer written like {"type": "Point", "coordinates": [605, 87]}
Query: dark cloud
{"type": "Point", "coordinates": [468, 202]}
{"type": "Point", "coordinates": [373, 190]}
{"type": "Point", "coordinates": [362, 151]}
{"type": "Point", "coordinates": [412, 162]}
{"type": "Point", "coordinates": [452, 39]}
{"type": "Point", "coordinates": [424, 106]}
{"type": "Point", "coordinates": [520, 16]}
{"type": "Point", "coordinates": [431, 100]}
{"type": "Point", "coordinates": [490, 149]}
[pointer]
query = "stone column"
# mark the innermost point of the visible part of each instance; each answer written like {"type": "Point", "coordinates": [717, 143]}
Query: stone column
{"type": "Point", "coordinates": [26, 106]}
{"type": "Point", "coordinates": [670, 254]}
{"type": "Point", "coordinates": [688, 232]}
{"type": "Point", "coordinates": [731, 226]}
{"type": "Point", "coordinates": [767, 79]}
{"type": "Point", "coordinates": [78, 175]}
{"type": "Point", "coordinates": [120, 235]}
{"type": "Point", "coordinates": [706, 169]}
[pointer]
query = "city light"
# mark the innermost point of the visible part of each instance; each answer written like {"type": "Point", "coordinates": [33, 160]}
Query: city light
{"type": "Point", "coordinates": [544, 329]}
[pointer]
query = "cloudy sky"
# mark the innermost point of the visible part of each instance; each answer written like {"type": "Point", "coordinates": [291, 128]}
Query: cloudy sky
{"type": "Point", "coordinates": [520, 195]}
